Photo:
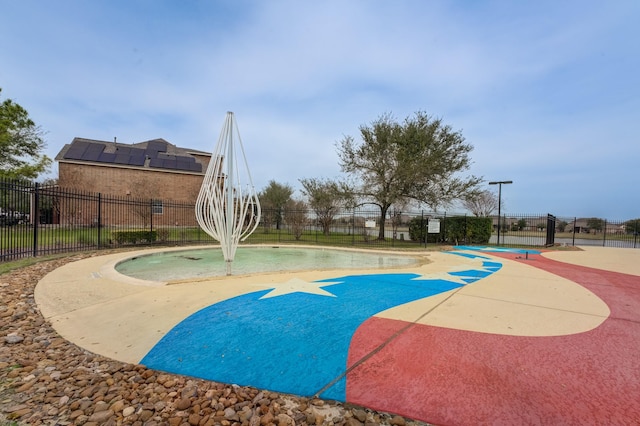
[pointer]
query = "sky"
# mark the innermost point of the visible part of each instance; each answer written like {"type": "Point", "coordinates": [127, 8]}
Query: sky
{"type": "Point", "coordinates": [547, 92]}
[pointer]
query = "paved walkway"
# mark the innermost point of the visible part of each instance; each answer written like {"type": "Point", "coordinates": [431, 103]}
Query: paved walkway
{"type": "Point", "coordinates": [466, 337]}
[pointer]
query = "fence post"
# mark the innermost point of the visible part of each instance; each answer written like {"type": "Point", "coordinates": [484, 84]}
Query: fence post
{"type": "Point", "coordinates": [99, 220]}
{"type": "Point", "coordinates": [151, 219]}
{"type": "Point", "coordinates": [393, 230]}
{"type": "Point", "coordinates": [423, 231]}
{"type": "Point", "coordinates": [353, 226]}
{"type": "Point", "coordinates": [604, 233]}
{"type": "Point", "coordinates": [443, 231]}
{"type": "Point", "coordinates": [36, 219]}
{"type": "Point", "coordinates": [551, 230]}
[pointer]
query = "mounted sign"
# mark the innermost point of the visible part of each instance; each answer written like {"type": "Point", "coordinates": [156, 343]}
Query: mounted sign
{"type": "Point", "coordinates": [370, 224]}
{"type": "Point", "coordinates": [434, 226]}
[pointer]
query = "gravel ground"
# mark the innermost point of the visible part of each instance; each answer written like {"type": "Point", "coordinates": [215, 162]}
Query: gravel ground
{"type": "Point", "coordinates": [46, 380]}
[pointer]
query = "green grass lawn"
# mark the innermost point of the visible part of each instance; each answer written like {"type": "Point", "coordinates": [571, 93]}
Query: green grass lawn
{"type": "Point", "coordinates": [63, 239]}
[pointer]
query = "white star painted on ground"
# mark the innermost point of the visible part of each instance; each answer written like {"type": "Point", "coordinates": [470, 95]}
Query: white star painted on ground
{"type": "Point", "coordinates": [460, 279]}
{"type": "Point", "coordinates": [445, 276]}
{"type": "Point", "coordinates": [296, 285]}
{"type": "Point", "coordinates": [495, 249]}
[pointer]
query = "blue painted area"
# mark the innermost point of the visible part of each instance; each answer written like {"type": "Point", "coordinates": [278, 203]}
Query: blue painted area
{"type": "Point", "coordinates": [488, 249]}
{"type": "Point", "coordinates": [294, 343]}
{"type": "Point", "coordinates": [469, 255]}
{"type": "Point", "coordinates": [471, 275]}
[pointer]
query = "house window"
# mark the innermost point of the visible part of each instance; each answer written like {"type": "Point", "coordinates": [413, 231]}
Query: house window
{"type": "Point", "coordinates": [156, 206]}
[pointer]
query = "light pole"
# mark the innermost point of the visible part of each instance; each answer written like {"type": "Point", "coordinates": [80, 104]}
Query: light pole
{"type": "Point", "coordinates": [499, 183]}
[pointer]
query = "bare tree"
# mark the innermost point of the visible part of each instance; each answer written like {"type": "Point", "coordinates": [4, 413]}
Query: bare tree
{"type": "Point", "coordinates": [295, 215]}
{"type": "Point", "coordinates": [144, 193]}
{"type": "Point", "coordinates": [481, 203]}
{"type": "Point", "coordinates": [326, 198]}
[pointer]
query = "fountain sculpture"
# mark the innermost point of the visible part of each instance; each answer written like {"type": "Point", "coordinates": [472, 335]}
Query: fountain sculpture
{"type": "Point", "coordinates": [227, 207]}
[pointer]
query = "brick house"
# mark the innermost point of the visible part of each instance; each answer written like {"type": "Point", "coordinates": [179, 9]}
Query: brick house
{"type": "Point", "coordinates": [152, 172]}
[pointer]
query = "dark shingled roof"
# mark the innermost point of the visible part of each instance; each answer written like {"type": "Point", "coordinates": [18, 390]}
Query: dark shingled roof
{"type": "Point", "coordinates": [155, 154]}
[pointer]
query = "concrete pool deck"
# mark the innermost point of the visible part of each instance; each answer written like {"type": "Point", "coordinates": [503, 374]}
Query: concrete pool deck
{"type": "Point", "coordinates": [500, 337]}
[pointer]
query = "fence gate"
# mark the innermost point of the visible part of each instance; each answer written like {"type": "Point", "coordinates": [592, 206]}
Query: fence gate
{"type": "Point", "coordinates": [551, 230]}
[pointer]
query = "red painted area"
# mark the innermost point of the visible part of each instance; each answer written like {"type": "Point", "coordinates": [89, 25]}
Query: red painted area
{"type": "Point", "coordinates": [446, 376]}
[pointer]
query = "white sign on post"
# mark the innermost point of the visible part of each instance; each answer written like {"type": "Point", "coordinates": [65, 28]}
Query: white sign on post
{"type": "Point", "coordinates": [434, 226]}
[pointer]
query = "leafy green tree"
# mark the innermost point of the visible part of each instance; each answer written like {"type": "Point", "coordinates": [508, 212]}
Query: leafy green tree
{"type": "Point", "coordinates": [418, 159]}
{"type": "Point", "coordinates": [596, 224]}
{"type": "Point", "coordinates": [326, 198]}
{"type": "Point", "coordinates": [522, 223]}
{"type": "Point", "coordinates": [632, 226]}
{"type": "Point", "coordinates": [561, 225]}
{"type": "Point", "coordinates": [273, 199]}
{"type": "Point", "coordinates": [21, 143]}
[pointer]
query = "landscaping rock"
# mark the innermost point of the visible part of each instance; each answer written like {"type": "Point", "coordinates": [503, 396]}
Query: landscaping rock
{"type": "Point", "coordinates": [46, 380]}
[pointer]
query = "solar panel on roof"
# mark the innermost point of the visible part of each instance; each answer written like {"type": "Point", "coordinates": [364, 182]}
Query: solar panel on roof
{"type": "Point", "coordinates": [107, 157]}
{"type": "Point", "coordinates": [123, 150]}
{"type": "Point", "coordinates": [136, 161]}
{"type": "Point", "coordinates": [138, 157]}
{"type": "Point", "coordinates": [92, 152]}
{"type": "Point", "coordinates": [90, 155]}
{"type": "Point", "coordinates": [155, 162]}
{"type": "Point", "coordinates": [76, 150]}
{"type": "Point", "coordinates": [94, 147]}
{"type": "Point", "coordinates": [182, 165]}
{"type": "Point", "coordinates": [81, 145]}
{"type": "Point", "coordinates": [121, 159]}
{"type": "Point", "coordinates": [196, 167]}
{"type": "Point", "coordinates": [74, 153]}
{"type": "Point", "coordinates": [185, 159]}
{"type": "Point", "coordinates": [169, 164]}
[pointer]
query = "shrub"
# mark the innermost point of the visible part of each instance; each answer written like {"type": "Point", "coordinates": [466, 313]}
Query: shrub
{"type": "Point", "coordinates": [418, 231]}
{"type": "Point", "coordinates": [454, 230]}
{"type": "Point", "coordinates": [163, 235]}
{"type": "Point", "coordinates": [468, 230]}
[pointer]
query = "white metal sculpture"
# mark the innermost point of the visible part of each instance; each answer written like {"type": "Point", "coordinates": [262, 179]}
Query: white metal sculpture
{"type": "Point", "coordinates": [227, 207]}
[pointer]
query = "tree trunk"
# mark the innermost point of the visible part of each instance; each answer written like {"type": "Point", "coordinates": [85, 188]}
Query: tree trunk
{"type": "Point", "coordinates": [383, 217]}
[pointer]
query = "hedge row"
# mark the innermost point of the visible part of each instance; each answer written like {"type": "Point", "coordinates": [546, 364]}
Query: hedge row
{"type": "Point", "coordinates": [453, 230]}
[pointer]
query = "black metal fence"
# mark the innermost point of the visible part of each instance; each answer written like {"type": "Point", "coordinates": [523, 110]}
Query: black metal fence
{"type": "Point", "coordinates": [37, 220]}
{"type": "Point", "coordinates": [546, 230]}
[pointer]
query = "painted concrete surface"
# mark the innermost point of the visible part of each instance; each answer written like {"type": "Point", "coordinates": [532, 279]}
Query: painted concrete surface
{"type": "Point", "coordinates": [468, 337]}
